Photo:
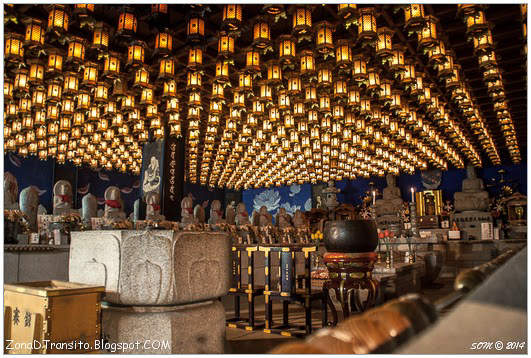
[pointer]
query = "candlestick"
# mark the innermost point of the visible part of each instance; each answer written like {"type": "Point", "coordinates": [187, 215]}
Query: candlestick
{"type": "Point", "coordinates": [373, 197]}
{"type": "Point", "coordinates": [412, 195]}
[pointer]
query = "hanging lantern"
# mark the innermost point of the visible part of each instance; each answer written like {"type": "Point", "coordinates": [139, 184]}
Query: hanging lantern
{"type": "Point", "coordinates": [76, 49]}
{"type": "Point", "coordinates": [487, 60]}
{"type": "Point", "coordinates": [127, 22]}
{"type": "Point", "coordinates": [34, 32]}
{"type": "Point", "coordinates": [36, 72]}
{"type": "Point", "coordinates": [14, 50]}
{"type": "Point", "coordinates": [343, 53]}
{"type": "Point", "coordinates": [146, 97]}
{"type": "Point", "coordinates": [427, 37]}
{"type": "Point", "coordinates": [225, 44]}
{"type": "Point", "coordinates": [245, 82]}
{"type": "Point", "coordinates": [252, 61]}
{"type": "Point", "coordinates": [70, 83]}
{"type": "Point", "coordinates": [346, 10]}
{"type": "Point", "coordinates": [302, 20]}
{"type": "Point", "coordinates": [294, 84]}
{"type": "Point", "coordinates": [324, 76]}
{"type": "Point", "coordinates": [409, 73]}
{"type": "Point", "coordinates": [307, 62]}
{"type": "Point", "coordinates": [101, 92]}
{"type": "Point", "coordinates": [195, 30]}
{"type": "Point", "coordinates": [274, 72]}
{"type": "Point", "coordinates": [475, 20]}
{"type": "Point", "coordinates": [83, 100]}
{"type": "Point", "coordinates": [151, 110]}
{"type": "Point", "coordinates": [24, 105]}
{"type": "Point", "coordinates": [397, 61]}
{"type": "Point", "coordinates": [261, 34]}
{"type": "Point", "coordinates": [353, 96]}
{"type": "Point", "coordinates": [193, 80]}
{"type": "Point", "coordinates": [222, 72]}
{"type": "Point", "coordinates": [21, 80]}
{"type": "Point", "coordinates": [359, 71]}
{"type": "Point", "coordinates": [141, 77]}
{"type": "Point", "coordinates": [52, 113]}
{"type": "Point", "coordinates": [58, 17]}
{"type": "Point", "coordinates": [38, 98]}
{"type": "Point", "coordinates": [167, 68]}
{"type": "Point", "coordinates": [135, 53]}
{"type": "Point", "coordinates": [384, 46]}
{"type": "Point", "coordinates": [286, 49]}
{"type": "Point", "coordinates": [437, 53]}
{"type": "Point", "coordinates": [340, 88]}
{"type": "Point", "coordinates": [93, 115]}
{"type": "Point", "coordinates": [111, 65]}
{"type": "Point", "coordinates": [164, 42]}
{"type": "Point", "coordinates": [8, 89]}
{"type": "Point", "coordinates": [100, 36]}
{"type": "Point", "coordinates": [483, 41]}
{"type": "Point", "coordinates": [323, 39]}
{"type": "Point", "coordinates": [232, 16]}
{"type": "Point", "coordinates": [367, 24]}
{"type": "Point", "coordinates": [90, 73]}
{"type": "Point", "coordinates": [310, 94]}
{"type": "Point", "coordinates": [414, 15]}
{"type": "Point", "coordinates": [195, 58]}
{"type": "Point", "coordinates": [55, 61]}
{"type": "Point", "coordinates": [374, 79]}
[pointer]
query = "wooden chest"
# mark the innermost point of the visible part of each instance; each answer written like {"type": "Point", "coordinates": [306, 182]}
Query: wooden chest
{"type": "Point", "coordinates": [51, 317]}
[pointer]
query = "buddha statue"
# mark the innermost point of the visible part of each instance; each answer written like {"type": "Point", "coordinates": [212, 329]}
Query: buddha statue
{"type": "Point", "coordinates": [199, 212]}
{"type": "Point", "coordinates": [242, 217]}
{"type": "Point", "coordinates": [472, 197]}
{"type": "Point", "coordinates": [262, 217]}
{"type": "Point", "coordinates": [29, 203]}
{"type": "Point", "coordinates": [216, 214]}
{"type": "Point", "coordinates": [10, 192]}
{"type": "Point", "coordinates": [153, 207]}
{"type": "Point", "coordinates": [89, 208]}
{"type": "Point", "coordinates": [283, 219]}
{"type": "Point", "coordinates": [113, 204]}
{"type": "Point", "coordinates": [392, 201]}
{"type": "Point", "coordinates": [230, 213]}
{"type": "Point", "coordinates": [187, 210]}
{"type": "Point", "coordinates": [62, 197]}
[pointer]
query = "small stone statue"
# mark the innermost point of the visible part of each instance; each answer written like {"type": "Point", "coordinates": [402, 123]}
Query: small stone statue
{"type": "Point", "coordinates": [10, 192]}
{"type": "Point", "coordinates": [29, 203]}
{"type": "Point", "coordinates": [89, 208]}
{"type": "Point", "coordinates": [187, 210]}
{"type": "Point", "coordinates": [473, 197]}
{"type": "Point", "coordinates": [283, 219]}
{"type": "Point", "coordinates": [391, 203]}
{"type": "Point", "coordinates": [299, 221]}
{"type": "Point", "coordinates": [230, 213]}
{"type": "Point", "coordinates": [199, 212]}
{"type": "Point", "coordinates": [242, 217]}
{"type": "Point", "coordinates": [62, 197]}
{"type": "Point", "coordinates": [331, 196]}
{"type": "Point", "coordinates": [113, 204]}
{"type": "Point", "coordinates": [153, 207]}
{"type": "Point", "coordinates": [216, 214]}
{"type": "Point", "coordinates": [262, 217]}
{"type": "Point", "coordinates": [136, 210]}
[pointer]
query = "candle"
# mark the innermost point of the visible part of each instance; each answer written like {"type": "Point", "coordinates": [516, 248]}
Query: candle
{"type": "Point", "coordinates": [373, 197]}
{"type": "Point", "coordinates": [412, 195]}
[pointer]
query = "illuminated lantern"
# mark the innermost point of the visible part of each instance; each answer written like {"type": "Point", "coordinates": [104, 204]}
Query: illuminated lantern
{"type": "Point", "coordinates": [286, 49]}
{"type": "Point", "coordinates": [310, 94]}
{"type": "Point", "coordinates": [83, 100]}
{"type": "Point", "coordinates": [100, 36]}
{"type": "Point", "coordinates": [8, 89]}
{"type": "Point", "coordinates": [437, 52]}
{"type": "Point", "coordinates": [475, 21]}
{"type": "Point", "coordinates": [36, 72]}
{"type": "Point", "coordinates": [38, 98]}
{"type": "Point", "coordinates": [13, 50]}
{"type": "Point", "coordinates": [52, 112]}
{"type": "Point", "coordinates": [217, 91]}
{"type": "Point", "coordinates": [141, 77]}
{"type": "Point", "coordinates": [76, 49]}
{"type": "Point", "coordinates": [384, 46]}
{"type": "Point", "coordinates": [261, 34]}
{"type": "Point", "coordinates": [83, 9]}
{"type": "Point", "coordinates": [427, 37]}
{"type": "Point", "coordinates": [24, 105]}
{"type": "Point", "coordinates": [302, 20]}
{"type": "Point", "coordinates": [146, 97]}
{"type": "Point", "coordinates": [159, 8]}
{"type": "Point", "coordinates": [294, 84]}
{"type": "Point", "coordinates": [274, 72]}
{"type": "Point", "coordinates": [58, 17]}
{"type": "Point", "coordinates": [70, 83]}
{"type": "Point", "coordinates": [55, 61]}
{"type": "Point", "coordinates": [353, 97]}
{"type": "Point", "coordinates": [343, 53]}
{"type": "Point", "coordinates": [346, 10]}
{"type": "Point", "coordinates": [78, 120]}
{"type": "Point", "coordinates": [34, 32]}
{"type": "Point", "coordinates": [127, 21]}
{"type": "Point", "coordinates": [54, 91]}
{"type": "Point", "coordinates": [324, 104]}
{"type": "Point", "coordinates": [409, 73]}
{"type": "Point", "coordinates": [167, 67]}
{"type": "Point", "coordinates": [93, 115]}
{"type": "Point", "coordinates": [367, 24]}
{"type": "Point", "coordinates": [307, 62]}
{"type": "Point", "coordinates": [414, 15]}
{"type": "Point", "coordinates": [164, 42]}
{"type": "Point", "coordinates": [101, 92]}
{"type": "Point", "coordinates": [195, 30]}
{"type": "Point", "coordinates": [340, 88]}
{"type": "Point", "coordinates": [90, 73]}
{"type": "Point", "coordinates": [222, 71]}
{"type": "Point", "coordinates": [324, 76]}
{"type": "Point", "coordinates": [483, 41]}
{"type": "Point", "coordinates": [245, 81]}
{"type": "Point", "coordinates": [195, 58]}
{"type": "Point", "coordinates": [232, 16]}
{"type": "Point", "coordinates": [487, 60]}
{"type": "Point", "coordinates": [193, 80]}
{"type": "Point", "coordinates": [359, 70]}
{"type": "Point", "coordinates": [283, 100]}
{"type": "Point", "coordinates": [225, 44]}
{"type": "Point", "coordinates": [252, 61]}
{"type": "Point", "coordinates": [111, 65]}
{"type": "Point", "coordinates": [135, 53]}
{"type": "Point", "coordinates": [323, 39]}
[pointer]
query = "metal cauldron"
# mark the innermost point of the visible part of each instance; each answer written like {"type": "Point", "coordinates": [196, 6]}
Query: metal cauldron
{"type": "Point", "coordinates": [350, 236]}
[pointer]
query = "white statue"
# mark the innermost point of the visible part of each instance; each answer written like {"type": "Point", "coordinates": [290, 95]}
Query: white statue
{"type": "Point", "coordinates": [153, 207]}
{"type": "Point", "coordinates": [262, 217]}
{"type": "Point", "coordinates": [199, 212]}
{"type": "Point", "coordinates": [151, 176]}
{"type": "Point", "coordinates": [113, 204]}
{"type": "Point", "coordinates": [391, 202]}
{"type": "Point", "coordinates": [216, 214]}
{"type": "Point", "coordinates": [10, 192]}
{"type": "Point", "coordinates": [283, 219]}
{"type": "Point", "coordinates": [89, 208]}
{"type": "Point", "coordinates": [29, 203]}
{"type": "Point", "coordinates": [230, 213]}
{"type": "Point", "coordinates": [242, 217]}
{"type": "Point", "coordinates": [62, 197]}
{"type": "Point", "coordinates": [473, 196]}
{"type": "Point", "coordinates": [187, 210]}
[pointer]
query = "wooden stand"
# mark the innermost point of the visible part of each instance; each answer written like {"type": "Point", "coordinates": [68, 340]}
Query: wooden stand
{"type": "Point", "coordinates": [287, 292]}
{"type": "Point", "coordinates": [246, 289]}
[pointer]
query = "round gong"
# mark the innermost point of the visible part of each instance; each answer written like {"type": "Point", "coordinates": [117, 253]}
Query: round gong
{"type": "Point", "coordinates": [350, 236]}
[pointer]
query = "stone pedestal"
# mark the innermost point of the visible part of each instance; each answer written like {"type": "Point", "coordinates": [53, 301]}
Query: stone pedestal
{"type": "Point", "coordinates": [470, 222]}
{"type": "Point", "coordinates": [187, 329]}
{"type": "Point", "coordinates": [152, 267]}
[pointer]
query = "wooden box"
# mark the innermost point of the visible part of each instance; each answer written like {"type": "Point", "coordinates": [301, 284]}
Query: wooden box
{"type": "Point", "coordinates": [39, 315]}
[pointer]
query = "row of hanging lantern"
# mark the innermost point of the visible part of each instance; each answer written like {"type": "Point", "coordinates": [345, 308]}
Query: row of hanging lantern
{"type": "Point", "coordinates": [311, 124]}
{"type": "Point", "coordinates": [479, 30]}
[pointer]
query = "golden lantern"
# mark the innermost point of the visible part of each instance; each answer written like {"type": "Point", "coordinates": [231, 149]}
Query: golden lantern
{"type": "Point", "coordinates": [70, 83]}
{"type": "Point", "coordinates": [135, 53]}
{"type": "Point", "coordinates": [52, 112]}
{"type": "Point", "coordinates": [194, 99]}
{"type": "Point", "coordinates": [141, 77]}
{"type": "Point", "coordinates": [397, 61]}
{"type": "Point", "coordinates": [257, 108]}
{"type": "Point", "coordinates": [159, 8]}
{"type": "Point", "coordinates": [64, 123]}
{"type": "Point", "coordinates": [294, 83]}
{"type": "Point", "coordinates": [225, 44]}
{"type": "Point", "coordinates": [353, 96]}
{"type": "Point", "coordinates": [261, 34]}
{"type": "Point", "coordinates": [54, 91]}
{"type": "Point", "coordinates": [274, 72]}
{"type": "Point", "coordinates": [307, 62]}
{"type": "Point", "coordinates": [83, 100]}
{"type": "Point", "coordinates": [55, 61]}
{"type": "Point", "coordinates": [310, 94]}
{"type": "Point", "coordinates": [127, 21]}
{"type": "Point", "coordinates": [283, 100]}
{"type": "Point", "coordinates": [217, 91]}
{"type": "Point", "coordinates": [324, 75]}
{"type": "Point", "coordinates": [232, 16]}
{"type": "Point", "coordinates": [222, 72]}
{"type": "Point", "coordinates": [38, 98]}
{"type": "Point", "coordinates": [24, 105]}
{"type": "Point", "coordinates": [437, 52]}
{"type": "Point", "coordinates": [100, 36]}
{"type": "Point", "coordinates": [164, 42]}
{"type": "Point", "coordinates": [146, 97]}
{"type": "Point", "coordinates": [245, 81]}
{"type": "Point", "coordinates": [324, 104]}
{"type": "Point", "coordinates": [414, 15]}
{"type": "Point", "coordinates": [13, 49]}
{"type": "Point", "coordinates": [93, 114]}
{"type": "Point", "coordinates": [427, 37]}
{"type": "Point", "coordinates": [346, 10]}
{"type": "Point", "coordinates": [76, 49]}
{"type": "Point", "coordinates": [8, 89]}
{"type": "Point", "coordinates": [111, 65]}
{"type": "Point", "coordinates": [78, 119]}
{"type": "Point", "coordinates": [475, 21]}
{"type": "Point", "coordinates": [359, 70]}
{"type": "Point", "coordinates": [323, 39]}
{"type": "Point", "coordinates": [58, 17]}
{"type": "Point", "coordinates": [365, 105]}
{"type": "Point", "coordinates": [409, 73]}
{"type": "Point", "coordinates": [367, 23]}
{"type": "Point", "coordinates": [286, 49]}
{"type": "Point", "coordinates": [298, 108]}
{"type": "Point", "coordinates": [36, 72]}
{"type": "Point", "coordinates": [195, 58]}
{"type": "Point", "coordinates": [343, 53]}
{"type": "Point", "coordinates": [384, 45]}
{"type": "Point", "coordinates": [374, 79]}
{"type": "Point", "coordinates": [302, 19]}
{"type": "Point", "coordinates": [483, 41]}
{"type": "Point", "coordinates": [340, 88]}
{"type": "Point", "coordinates": [11, 110]}
{"type": "Point", "coordinates": [195, 30]}
{"type": "Point", "coordinates": [487, 60]}
{"type": "Point", "coordinates": [90, 73]}
{"type": "Point", "coordinates": [101, 92]}
{"type": "Point", "coordinates": [167, 67]}
{"type": "Point", "coordinates": [193, 80]}
{"type": "Point", "coordinates": [151, 110]}
{"type": "Point", "coordinates": [252, 61]}
{"type": "Point", "coordinates": [172, 104]}
{"type": "Point", "coordinates": [34, 32]}
{"type": "Point", "coordinates": [83, 8]}
{"type": "Point", "coordinates": [128, 103]}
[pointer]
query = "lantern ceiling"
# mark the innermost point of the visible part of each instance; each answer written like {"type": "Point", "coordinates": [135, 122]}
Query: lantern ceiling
{"type": "Point", "coordinates": [266, 94]}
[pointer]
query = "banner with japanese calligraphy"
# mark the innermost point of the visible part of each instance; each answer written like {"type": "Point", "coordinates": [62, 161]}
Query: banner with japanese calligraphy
{"type": "Point", "coordinates": [173, 179]}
